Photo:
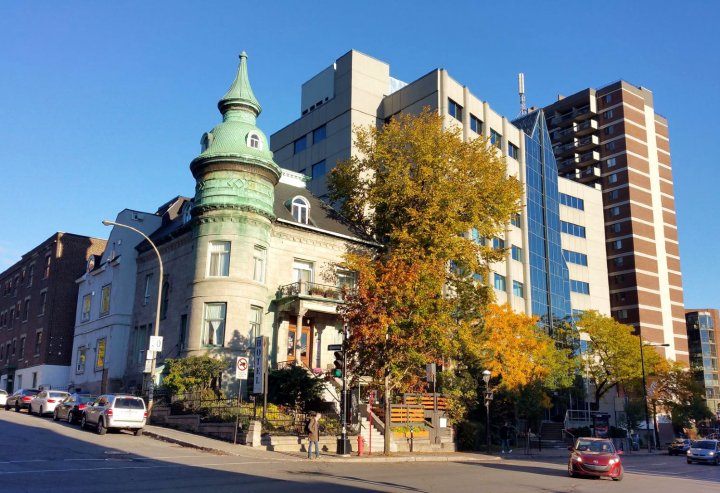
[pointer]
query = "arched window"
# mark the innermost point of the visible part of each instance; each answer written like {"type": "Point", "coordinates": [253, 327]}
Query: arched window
{"type": "Point", "coordinates": [300, 210]}
{"type": "Point", "coordinates": [253, 140]}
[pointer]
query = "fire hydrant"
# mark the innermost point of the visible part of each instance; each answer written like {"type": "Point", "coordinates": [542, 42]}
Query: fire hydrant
{"type": "Point", "coordinates": [361, 445]}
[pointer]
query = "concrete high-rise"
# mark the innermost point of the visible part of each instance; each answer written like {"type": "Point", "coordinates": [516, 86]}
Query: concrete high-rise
{"type": "Point", "coordinates": [555, 261]}
{"type": "Point", "coordinates": [612, 139]}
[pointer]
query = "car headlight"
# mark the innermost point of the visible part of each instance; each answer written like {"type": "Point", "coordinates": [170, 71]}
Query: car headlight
{"type": "Point", "coordinates": [711, 454]}
{"type": "Point", "coordinates": [578, 459]}
{"type": "Point", "coordinates": [612, 461]}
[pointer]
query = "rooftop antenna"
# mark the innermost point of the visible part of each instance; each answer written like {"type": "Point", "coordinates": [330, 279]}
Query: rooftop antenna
{"type": "Point", "coordinates": [521, 91]}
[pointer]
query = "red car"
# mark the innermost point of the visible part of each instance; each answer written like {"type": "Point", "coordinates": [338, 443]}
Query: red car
{"type": "Point", "coordinates": [595, 457]}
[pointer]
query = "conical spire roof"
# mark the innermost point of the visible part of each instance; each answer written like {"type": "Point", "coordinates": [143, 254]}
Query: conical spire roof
{"type": "Point", "coordinates": [240, 93]}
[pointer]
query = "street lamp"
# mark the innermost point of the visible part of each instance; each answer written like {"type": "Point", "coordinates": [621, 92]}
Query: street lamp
{"type": "Point", "coordinates": [642, 363]}
{"type": "Point", "coordinates": [488, 397]}
{"type": "Point", "coordinates": [157, 310]}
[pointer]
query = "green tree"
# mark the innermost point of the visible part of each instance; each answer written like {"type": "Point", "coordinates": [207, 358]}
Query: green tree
{"type": "Point", "coordinates": [419, 190]}
{"type": "Point", "coordinates": [293, 386]}
{"type": "Point", "coordinates": [193, 374]}
{"type": "Point", "coordinates": [614, 353]}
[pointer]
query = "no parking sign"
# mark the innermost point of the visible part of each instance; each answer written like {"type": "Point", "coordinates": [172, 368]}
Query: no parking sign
{"type": "Point", "coordinates": [241, 367]}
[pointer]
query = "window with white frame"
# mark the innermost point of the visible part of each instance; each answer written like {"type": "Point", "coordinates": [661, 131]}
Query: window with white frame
{"type": "Point", "coordinates": [105, 300]}
{"type": "Point", "coordinates": [346, 279]}
{"type": "Point", "coordinates": [254, 324]}
{"type": "Point", "coordinates": [253, 140]}
{"type": "Point", "coordinates": [300, 210]}
{"type": "Point", "coordinates": [148, 289]}
{"type": "Point", "coordinates": [259, 260]}
{"type": "Point", "coordinates": [85, 316]}
{"type": "Point", "coordinates": [219, 259]}
{"type": "Point", "coordinates": [38, 341]}
{"type": "Point", "coordinates": [302, 271]}
{"type": "Point", "coordinates": [81, 358]}
{"type": "Point", "coordinates": [214, 330]}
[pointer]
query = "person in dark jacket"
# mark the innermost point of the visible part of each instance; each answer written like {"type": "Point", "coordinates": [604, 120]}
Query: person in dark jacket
{"type": "Point", "coordinates": [314, 436]}
{"type": "Point", "coordinates": [505, 435]}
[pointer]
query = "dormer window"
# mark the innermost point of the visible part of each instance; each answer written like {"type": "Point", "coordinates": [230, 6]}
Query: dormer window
{"type": "Point", "coordinates": [300, 210]}
{"type": "Point", "coordinates": [253, 141]}
{"type": "Point", "coordinates": [205, 141]}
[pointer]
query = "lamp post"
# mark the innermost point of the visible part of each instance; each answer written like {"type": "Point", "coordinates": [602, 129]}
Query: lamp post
{"type": "Point", "coordinates": [157, 309]}
{"type": "Point", "coordinates": [642, 365]}
{"type": "Point", "coordinates": [488, 397]}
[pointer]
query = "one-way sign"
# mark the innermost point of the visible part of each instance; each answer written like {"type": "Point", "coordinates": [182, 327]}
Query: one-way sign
{"type": "Point", "coordinates": [334, 347]}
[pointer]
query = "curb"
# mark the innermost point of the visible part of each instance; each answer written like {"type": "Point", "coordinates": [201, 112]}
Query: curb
{"type": "Point", "coordinates": [183, 443]}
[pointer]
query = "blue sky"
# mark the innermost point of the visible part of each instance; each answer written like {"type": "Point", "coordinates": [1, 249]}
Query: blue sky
{"type": "Point", "coordinates": [102, 104]}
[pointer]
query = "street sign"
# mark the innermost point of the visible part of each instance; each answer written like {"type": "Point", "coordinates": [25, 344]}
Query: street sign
{"type": "Point", "coordinates": [335, 347]}
{"type": "Point", "coordinates": [148, 364]}
{"type": "Point", "coordinates": [241, 367]}
{"type": "Point", "coordinates": [261, 354]}
{"type": "Point", "coordinates": [156, 343]}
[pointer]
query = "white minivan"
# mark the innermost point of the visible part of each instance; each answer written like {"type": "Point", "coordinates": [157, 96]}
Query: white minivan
{"type": "Point", "coordinates": [110, 411]}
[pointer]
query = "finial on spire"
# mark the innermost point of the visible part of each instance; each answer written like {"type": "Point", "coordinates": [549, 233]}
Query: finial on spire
{"type": "Point", "coordinates": [240, 93]}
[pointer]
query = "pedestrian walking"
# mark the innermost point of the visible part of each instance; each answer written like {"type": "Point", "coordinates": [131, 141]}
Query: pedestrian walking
{"type": "Point", "coordinates": [505, 435]}
{"type": "Point", "coordinates": [313, 429]}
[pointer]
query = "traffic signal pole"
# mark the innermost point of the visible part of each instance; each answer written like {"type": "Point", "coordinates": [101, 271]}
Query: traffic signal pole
{"type": "Point", "coordinates": [342, 447]}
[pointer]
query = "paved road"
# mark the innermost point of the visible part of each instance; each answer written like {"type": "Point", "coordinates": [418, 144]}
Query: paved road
{"type": "Point", "coordinates": [38, 455]}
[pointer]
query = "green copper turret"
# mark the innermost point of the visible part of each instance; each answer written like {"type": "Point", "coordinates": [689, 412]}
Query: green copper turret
{"type": "Point", "coordinates": [235, 170]}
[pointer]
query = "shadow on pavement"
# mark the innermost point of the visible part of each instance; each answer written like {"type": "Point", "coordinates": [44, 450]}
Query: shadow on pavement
{"type": "Point", "coordinates": [531, 469]}
{"type": "Point", "coordinates": [37, 455]}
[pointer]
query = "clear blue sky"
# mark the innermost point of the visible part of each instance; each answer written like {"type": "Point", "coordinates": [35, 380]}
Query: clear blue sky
{"type": "Point", "coordinates": [102, 104]}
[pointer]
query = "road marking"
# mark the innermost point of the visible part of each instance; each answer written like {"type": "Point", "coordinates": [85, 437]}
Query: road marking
{"type": "Point", "coordinates": [24, 461]}
{"type": "Point", "coordinates": [35, 471]}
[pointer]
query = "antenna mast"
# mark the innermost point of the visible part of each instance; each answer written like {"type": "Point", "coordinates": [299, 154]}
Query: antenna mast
{"type": "Point", "coordinates": [521, 91]}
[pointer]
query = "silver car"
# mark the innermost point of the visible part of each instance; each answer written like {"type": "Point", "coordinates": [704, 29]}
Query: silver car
{"type": "Point", "coordinates": [110, 411]}
{"type": "Point", "coordinates": [704, 451]}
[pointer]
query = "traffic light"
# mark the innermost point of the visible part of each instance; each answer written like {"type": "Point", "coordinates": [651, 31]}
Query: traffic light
{"type": "Point", "coordinates": [339, 364]}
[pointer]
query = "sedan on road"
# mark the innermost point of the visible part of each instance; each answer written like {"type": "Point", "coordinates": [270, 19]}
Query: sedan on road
{"type": "Point", "coordinates": [71, 408]}
{"type": "Point", "coordinates": [21, 399]}
{"type": "Point", "coordinates": [679, 446]}
{"type": "Point", "coordinates": [45, 401]}
{"type": "Point", "coordinates": [704, 451]}
{"type": "Point", "coordinates": [595, 457]}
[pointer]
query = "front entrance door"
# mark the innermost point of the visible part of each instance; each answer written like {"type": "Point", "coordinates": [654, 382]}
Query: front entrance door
{"type": "Point", "coordinates": [300, 342]}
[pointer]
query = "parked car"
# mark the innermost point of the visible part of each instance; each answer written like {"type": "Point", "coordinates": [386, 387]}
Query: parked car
{"type": "Point", "coordinates": [21, 399]}
{"type": "Point", "coordinates": [679, 446]}
{"type": "Point", "coordinates": [595, 457]}
{"type": "Point", "coordinates": [115, 412]}
{"type": "Point", "coordinates": [71, 408]}
{"type": "Point", "coordinates": [704, 451]}
{"type": "Point", "coordinates": [3, 397]}
{"type": "Point", "coordinates": [45, 401]}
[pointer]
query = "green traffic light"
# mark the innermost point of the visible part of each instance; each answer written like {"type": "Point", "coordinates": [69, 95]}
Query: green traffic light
{"type": "Point", "coordinates": [337, 373]}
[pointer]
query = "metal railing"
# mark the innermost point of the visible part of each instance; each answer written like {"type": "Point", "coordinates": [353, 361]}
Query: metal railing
{"type": "Point", "coordinates": [313, 289]}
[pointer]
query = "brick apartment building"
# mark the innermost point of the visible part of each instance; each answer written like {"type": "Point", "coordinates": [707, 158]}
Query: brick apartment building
{"type": "Point", "coordinates": [37, 311]}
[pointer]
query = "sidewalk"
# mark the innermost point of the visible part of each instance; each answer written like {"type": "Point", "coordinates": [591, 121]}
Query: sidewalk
{"type": "Point", "coordinates": [221, 447]}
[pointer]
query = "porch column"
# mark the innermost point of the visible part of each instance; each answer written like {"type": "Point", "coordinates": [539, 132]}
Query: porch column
{"type": "Point", "coordinates": [298, 334]}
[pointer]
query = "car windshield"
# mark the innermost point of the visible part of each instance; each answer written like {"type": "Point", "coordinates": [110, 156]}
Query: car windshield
{"type": "Point", "coordinates": [31, 392]}
{"type": "Point", "coordinates": [84, 399]}
{"type": "Point", "coordinates": [129, 403]}
{"type": "Point", "coordinates": [706, 444]}
{"type": "Point", "coordinates": [594, 446]}
{"type": "Point", "coordinates": [57, 394]}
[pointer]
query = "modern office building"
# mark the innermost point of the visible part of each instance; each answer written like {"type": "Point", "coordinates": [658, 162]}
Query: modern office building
{"type": "Point", "coordinates": [37, 311]}
{"type": "Point", "coordinates": [612, 139]}
{"type": "Point", "coordinates": [555, 249]}
{"type": "Point", "coordinates": [703, 342]}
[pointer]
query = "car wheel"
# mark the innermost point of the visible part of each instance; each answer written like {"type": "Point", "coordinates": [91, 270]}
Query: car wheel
{"type": "Point", "coordinates": [70, 418]}
{"type": "Point", "coordinates": [100, 429]}
{"type": "Point", "coordinates": [571, 472]}
{"type": "Point", "coordinates": [17, 407]}
{"type": "Point", "coordinates": [139, 432]}
{"type": "Point", "coordinates": [689, 461]}
{"type": "Point", "coordinates": [42, 411]}
{"type": "Point", "coordinates": [7, 407]}
{"type": "Point", "coordinates": [56, 417]}
{"type": "Point", "coordinates": [83, 422]}
{"type": "Point", "coordinates": [717, 461]}
{"type": "Point", "coordinates": [619, 476]}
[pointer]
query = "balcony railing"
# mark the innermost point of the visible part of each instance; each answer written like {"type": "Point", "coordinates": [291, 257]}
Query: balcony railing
{"type": "Point", "coordinates": [310, 289]}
